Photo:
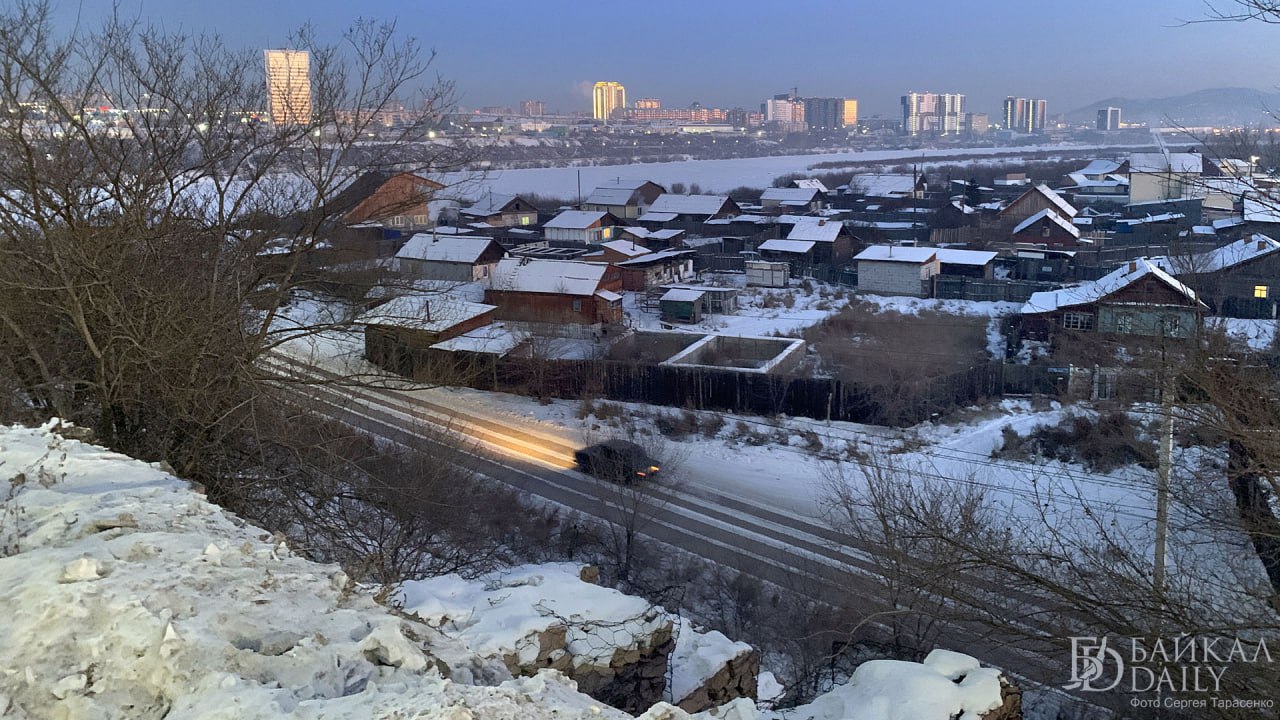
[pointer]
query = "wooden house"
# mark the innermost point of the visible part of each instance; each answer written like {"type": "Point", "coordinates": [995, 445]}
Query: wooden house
{"type": "Point", "coordinates": [1046, 228]}
{"type": "Point", "coordinates": [659, 268]}
{"type": "Point", "coordinates": [1139, 298]}
{"type": "Point", "coordinates": [458, 258]}
{"type": "Point", "coordinates": [501, 211]}
{"type": "Point", "coordinates": [403, 326]}
{"type": "Point", "coordinates": [556, 291]}
{"type": "Point", "coordinates": [1240, 279]}
{"type": "Point", "coordinates": [626, 199]}
{"type": "Point", "coordinates": [582, 227]}
{"type": "Point", "coordinates": [1032, 203]}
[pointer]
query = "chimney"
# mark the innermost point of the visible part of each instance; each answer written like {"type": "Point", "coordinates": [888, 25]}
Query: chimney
{"type": "Point", "coordinates": [1133, 266]}
{"type": "Point", "coordinates": [1262, 244]}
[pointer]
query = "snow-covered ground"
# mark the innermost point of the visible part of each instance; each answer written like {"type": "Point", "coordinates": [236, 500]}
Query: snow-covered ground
{"type": "Point", "coordinates": [127, 594]}
{"type": "Point", "coordinates": [1256, 334]}
{"type": "Point", "coordinates": [762, 312]}
{"type": "Point", "coordinates": [714, 175]}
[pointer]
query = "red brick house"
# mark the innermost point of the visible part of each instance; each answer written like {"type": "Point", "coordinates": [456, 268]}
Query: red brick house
{"type": "Point", "coordinates": [556, 291]}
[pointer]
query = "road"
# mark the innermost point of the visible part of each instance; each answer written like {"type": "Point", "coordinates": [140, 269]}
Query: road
{"type": "Point", "coordinates": [788, 550]}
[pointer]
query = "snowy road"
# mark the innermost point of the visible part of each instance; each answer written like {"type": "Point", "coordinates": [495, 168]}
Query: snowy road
{"type": "Point", "coordinates": [769, 542]}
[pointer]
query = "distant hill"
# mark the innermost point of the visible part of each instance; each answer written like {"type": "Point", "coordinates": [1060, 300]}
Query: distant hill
{"type": "Point", "coordinates": [1215, 106]}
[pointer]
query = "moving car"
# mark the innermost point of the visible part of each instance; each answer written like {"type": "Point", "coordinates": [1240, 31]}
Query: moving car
{"type": "Point", "coordinates": [616, 460]}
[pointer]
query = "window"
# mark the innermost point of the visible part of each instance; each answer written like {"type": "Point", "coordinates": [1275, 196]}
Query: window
{"type": "Point", "coordinates": [525, 220]}
{"type": "Point", "coordinates": [577, 306]}
{"type": "Point", "coordinates": [1260, 292]}
{"type": "Point", "coordinates": [1077, 321]}
{"type": "Point", "coordinates": [1124, 323]}
{"type": "Point", "coordinates": [1044, 232]}
{"type": "Point", "coordinates": [396, 220]}
{"type": "Point", "coordinates": [1172, 326]}
{"type": "Point", "coordinates": [419, 219]}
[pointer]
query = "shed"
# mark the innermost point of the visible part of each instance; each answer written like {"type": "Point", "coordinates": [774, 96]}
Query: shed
{"type": "Point", "coordinates": [890, 270]}
{"type": "Point", "coordinates": [681, 305]}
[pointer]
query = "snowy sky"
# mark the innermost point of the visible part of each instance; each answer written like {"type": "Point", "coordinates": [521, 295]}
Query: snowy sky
{"type": "Point", "coordinates": [500, 52]}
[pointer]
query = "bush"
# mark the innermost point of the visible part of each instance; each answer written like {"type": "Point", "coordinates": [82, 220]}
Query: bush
{"type": "Point", "coordinates": [1109, 443]}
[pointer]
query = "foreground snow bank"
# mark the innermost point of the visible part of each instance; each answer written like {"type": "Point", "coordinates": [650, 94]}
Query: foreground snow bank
{"type": "Point", "coordinates": [128, 595]}
{"type": "Point", "coordinates": [946, 685]}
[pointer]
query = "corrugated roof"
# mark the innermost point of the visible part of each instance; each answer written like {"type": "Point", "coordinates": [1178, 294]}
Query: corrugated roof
{"type": "Point", "coordinates": [610, 196]}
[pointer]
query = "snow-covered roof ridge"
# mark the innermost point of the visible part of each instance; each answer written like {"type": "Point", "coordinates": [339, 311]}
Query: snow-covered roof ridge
{"type": "Point", "coordinates": [1229, 255]}
{"type": "Point", "coordinates": [1090, 292]}
{"type": "Point", "coordinates": [130, 590]}
{"type": "Point", "coordinates": [489, 204]}
{"type": "Point", "coordinates": [798, 194]}
{"type": "Point", "coordinates": [1053, 217]}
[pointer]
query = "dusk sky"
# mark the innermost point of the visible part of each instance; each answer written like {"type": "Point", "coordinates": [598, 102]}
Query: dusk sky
{"type": "Point", "coordinates": [729, 54]}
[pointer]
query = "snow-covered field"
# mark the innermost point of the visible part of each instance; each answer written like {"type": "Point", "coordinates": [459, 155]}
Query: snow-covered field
{"type": "Point", "coordinates": [712, 175]}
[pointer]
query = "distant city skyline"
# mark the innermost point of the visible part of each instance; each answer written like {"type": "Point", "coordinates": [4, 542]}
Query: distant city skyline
{"type": "Point", "coordinates": [697, 52]}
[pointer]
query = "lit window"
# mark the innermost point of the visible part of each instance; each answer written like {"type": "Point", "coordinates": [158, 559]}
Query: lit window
{"type": "Point", "coordinates": [1260, 292]}
{"type": "Point", "coordinates": [525, 220]}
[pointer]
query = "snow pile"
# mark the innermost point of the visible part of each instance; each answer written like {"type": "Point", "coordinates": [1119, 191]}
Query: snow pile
{"type": "Point", "coordinates": [503, 614]}
{"type": "Point", "coordinates": [698, 657]}
{"type": "Point", "coordinates": [127, 594]}
{"type": "Point", "coordinates": [1255, 334]}
{"type": "Point", "coordinates": [946, 685]}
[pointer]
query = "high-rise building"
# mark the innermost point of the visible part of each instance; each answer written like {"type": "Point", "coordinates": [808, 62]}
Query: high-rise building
{"type": "Point", "coordinates": [648, 104]}
{"type": "Point", "coordinates": [533, 108]}
{"type": "Point", "coordinates": [784, 109]}
{"type": "Point", "coordinates": [932, 113]}
{"type": "Point", "coordinates": [1109, 118]}
{"type": "Point", "coordinates": [289, 86]}
{"type": "Point", "coordinates": [824, 113]}
{"type": "Point", "coordinates": [1024, 115]}
{"type": "Point", "coordinates": [607, 97]}
{"type": "Point", "coordinates": [977, 124]}
{"type": "Point", "coordinates": [849, 113]}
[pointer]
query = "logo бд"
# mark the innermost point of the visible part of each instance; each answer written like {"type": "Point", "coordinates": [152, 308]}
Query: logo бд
{"type": "Point", "coordinates": [1089, 659]}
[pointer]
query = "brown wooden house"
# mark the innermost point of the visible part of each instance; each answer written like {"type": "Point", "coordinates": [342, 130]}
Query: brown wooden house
{"type": "Point", "coordinates": [1033, 201]}
{"type": "Point", "coordinates": [1046, 228]}
{"type": "Point", "coordinates": [556, 291]}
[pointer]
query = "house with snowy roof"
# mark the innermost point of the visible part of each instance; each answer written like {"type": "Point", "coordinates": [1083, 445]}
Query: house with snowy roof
{"type": "Point", "coordinates": [399, 331]}
{"type": "Point", "coordinates": [966, 263]}
{"type": "Point", "coordinates": [1046, 228]}
{"type": "Point", "coordinates": [833, 243]}
{"type": "Point", "coordinates": [1041, 197]}
{"type": "Point", "coordinates": [670, 207]}
{"type": "Point", "coordinates": [1164, 176]}
{"type": "Point", "coordinates": [887, 185]}
{"type": "Point", "coordinates": [667, 239]}
{"type": "Point", "coordinates": [895, 270]}
{"type": "Point", "coordinates": [1239, 279]}
{"type": "Point", "coordinates": [581, 227]}
{"type": "Point", "coordinates": [626, 199]}
{"type": "Point", "coordinates": [793, 200]}
{"type": "Point", "coordinates": [1139, 298]}
{"type": "Point", "coordinates": [556, 291]}
{"type": "Point", "coordinates": [656, 268]}
{"type": "Point", "coordinates": [616, 251]}
{"type": "Point", "coordinates": [458, 258]}
{"type": "Point", "coordinates": [501, 211]}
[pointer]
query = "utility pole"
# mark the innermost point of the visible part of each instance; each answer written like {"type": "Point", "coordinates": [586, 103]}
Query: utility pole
{"type": "Point", "coordinates": [1165, 463]}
